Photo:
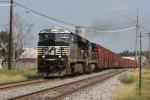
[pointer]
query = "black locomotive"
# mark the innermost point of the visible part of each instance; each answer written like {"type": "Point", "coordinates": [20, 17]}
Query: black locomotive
{"type": "Point", "coordinates": [61, 52]}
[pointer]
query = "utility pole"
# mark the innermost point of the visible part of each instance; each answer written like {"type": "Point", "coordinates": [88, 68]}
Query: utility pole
{"type": "Point", "coordinates": [149, 51]}
{"type": "Point", "coordinates": [10, 35]}
{"type": "Point", "coordinates": [140, 64]}
{"type": "Point", "coordinates": [136, 44]}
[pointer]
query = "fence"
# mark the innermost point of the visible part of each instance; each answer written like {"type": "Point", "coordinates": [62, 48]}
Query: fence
{"type": "Point", "coordinates": [21, 65]}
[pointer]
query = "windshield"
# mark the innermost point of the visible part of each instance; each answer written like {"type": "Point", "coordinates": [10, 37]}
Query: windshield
{"type": "Point", "coordinates": [47, 35]}
{"type": "Point", "coordinates": [62, 35]}
{"type": "Point", "coordinates": [54, 35]}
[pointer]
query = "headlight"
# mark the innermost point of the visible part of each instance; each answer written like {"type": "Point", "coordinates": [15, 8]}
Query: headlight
{"type": "Point", "coordinates": [59, 56]}
{"type": "Point", "coordinates": [43, 56]}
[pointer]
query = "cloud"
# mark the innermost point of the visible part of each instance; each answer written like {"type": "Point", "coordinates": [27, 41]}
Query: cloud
{"type": "Point", "coordinates": [116, 9]}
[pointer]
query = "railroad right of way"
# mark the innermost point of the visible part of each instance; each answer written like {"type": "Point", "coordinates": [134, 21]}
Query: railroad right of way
{"type": "Point", "coordinates": [10, 94]}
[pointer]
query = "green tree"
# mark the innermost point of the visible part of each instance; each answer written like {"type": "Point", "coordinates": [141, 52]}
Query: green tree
{"type": "Point", "coordinates": [4, 38]}
{"type": "Point", "coordinates": [128, 53]}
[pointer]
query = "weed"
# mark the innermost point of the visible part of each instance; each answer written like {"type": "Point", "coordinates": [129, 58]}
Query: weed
{"type": "Point", "coordinates": [127, 79]}
{"type": "Point", "coordinates": [17, 75]}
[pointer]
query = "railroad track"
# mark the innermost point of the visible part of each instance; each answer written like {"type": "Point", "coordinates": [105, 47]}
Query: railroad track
{"type": "Point", "coordinates": [62, 91]}
{"type": "Point", "coordinates": [22, 83]}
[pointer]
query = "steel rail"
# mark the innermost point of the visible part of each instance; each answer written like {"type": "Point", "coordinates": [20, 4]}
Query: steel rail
{"type": "Point", "coordinates": [84, 87]}
{"type": "Point", "coordinates": [21, 84]}
{"type": "Point", "coordinates": [34, 94]}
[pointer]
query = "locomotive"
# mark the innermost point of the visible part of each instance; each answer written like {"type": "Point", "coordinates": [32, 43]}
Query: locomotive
{"type": "Point", "coordinates": [61, 52]}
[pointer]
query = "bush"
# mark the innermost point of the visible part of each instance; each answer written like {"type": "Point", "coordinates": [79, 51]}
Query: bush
{"type": "Point", "coordinates": [127, 79]}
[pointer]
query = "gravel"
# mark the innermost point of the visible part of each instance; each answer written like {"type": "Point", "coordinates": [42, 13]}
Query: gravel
{"type": "Point", "coordinates": [97, 92]}
{"type": "Point", "coordinates": [100, 91]}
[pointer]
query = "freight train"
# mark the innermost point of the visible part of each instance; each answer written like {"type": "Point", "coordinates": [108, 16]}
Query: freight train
{"type": "Point", "coordinates": [61, 52]}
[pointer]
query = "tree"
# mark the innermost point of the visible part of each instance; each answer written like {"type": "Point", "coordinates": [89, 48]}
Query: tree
{"type": "Point", "coordinates": [128, 53]}
{"type": "Point", "coordinates": [21, 35]}
{"type": "Point", "coordinates": [4, 38]}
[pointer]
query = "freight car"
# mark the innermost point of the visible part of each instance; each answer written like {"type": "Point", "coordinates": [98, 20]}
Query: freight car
{"type": "Point", "coordinates": [61, 52]}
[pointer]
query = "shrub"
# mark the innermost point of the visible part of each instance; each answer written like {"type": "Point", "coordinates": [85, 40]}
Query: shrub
{"type": "Point", "coordinates": [127, 79]}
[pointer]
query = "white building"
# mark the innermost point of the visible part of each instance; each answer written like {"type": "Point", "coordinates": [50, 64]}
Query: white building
{"type": "Point", "coordinates": [143, 59]}
{"type": "Point", "coordinates": [28, 58]}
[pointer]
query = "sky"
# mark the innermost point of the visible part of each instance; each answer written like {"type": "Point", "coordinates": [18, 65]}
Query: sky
{"type": "Point", "coordinates": [95, 15]}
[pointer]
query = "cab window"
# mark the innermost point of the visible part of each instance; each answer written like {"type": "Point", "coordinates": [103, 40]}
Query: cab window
{"type": "Point", "coordinates": [62, 35]}
{"type": "Point", "coordinates": [45, 36]}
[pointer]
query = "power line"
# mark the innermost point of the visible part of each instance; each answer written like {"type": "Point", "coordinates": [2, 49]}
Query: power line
{"type": "Point", "coordinates": [47, 19]}
{"type": "Point", "coordinates": [59, 23]}
{"type": "Point", "coordinates": [5, 5]}
{"type": "Point", "coordinates": [119, 30]}
{"type": "Point", "coordinates": [144, 20]}
{"type": "Point", "coordinates": [45, 15]}
{"type": "Point", "coordinates": [37, 15]}
{"type": "Point", "coordinates": [144, 29]}
{"type": "Point", "coordinates": [108, 27]}
{"type": "Point", "coordinates": [106, 30]}
{"type": "Point", "coordinates": [143, 32]}
{"type": "Point", "coordinates": [4, 1]}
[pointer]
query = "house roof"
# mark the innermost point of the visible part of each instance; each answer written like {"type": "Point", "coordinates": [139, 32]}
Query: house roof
{"type": "Point", "coordinates": [143, 58]}
{"type": "Point", "coordinates": [30, 53]}
{"type": "Point", "coordinates": [131, 58]}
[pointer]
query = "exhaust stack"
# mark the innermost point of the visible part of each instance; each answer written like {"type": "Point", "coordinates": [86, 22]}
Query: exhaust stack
{"type": "Point", "coordinates": [80, 31]}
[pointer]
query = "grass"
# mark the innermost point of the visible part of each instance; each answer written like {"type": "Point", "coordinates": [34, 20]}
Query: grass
{"type": "Point", "coordinates": [127, 79]}
{"type": "Point", "coordinates": [112, 70]}
{"type": "Point", "coordinates": [129, 90]}
{"type": "Point", "coordinates": [147, 67]}
{"type": "Point", "coordinates": [7, 76]}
